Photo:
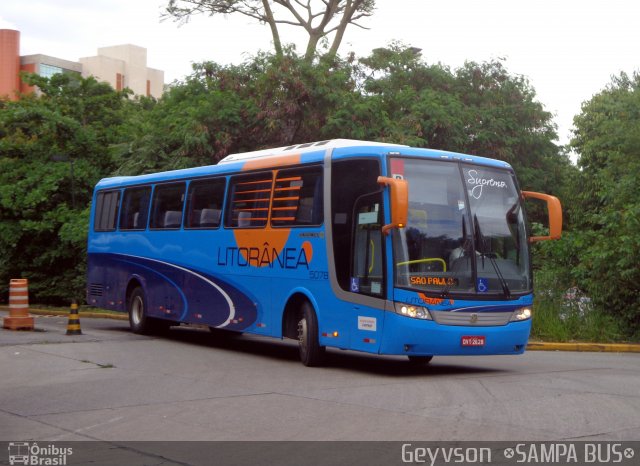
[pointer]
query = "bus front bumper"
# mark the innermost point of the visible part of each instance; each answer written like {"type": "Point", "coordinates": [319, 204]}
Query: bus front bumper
{"type": "Point", "coordinates": [415, 337]}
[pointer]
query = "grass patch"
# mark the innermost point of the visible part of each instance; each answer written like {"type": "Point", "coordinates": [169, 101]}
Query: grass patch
{"type": "Point", "coordinates": [562, 316]}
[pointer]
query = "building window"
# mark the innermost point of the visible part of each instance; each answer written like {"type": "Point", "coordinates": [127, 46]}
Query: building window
{"type": "Point", "coordinates": [46, 71]}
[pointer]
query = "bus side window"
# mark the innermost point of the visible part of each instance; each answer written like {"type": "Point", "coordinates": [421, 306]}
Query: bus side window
{"type": "Point", "coordinates": [204, 203]}
{"type": "Point", "coordinates": [167, 206]}
{"type": "Point", "coordinates": [249, 198]}
{"type": "Point", "coordinates": [135, 208]}
{"type": "Point", "coordinates": [106, 216]}
{"type": "Point", "coordinates": [297, 198]}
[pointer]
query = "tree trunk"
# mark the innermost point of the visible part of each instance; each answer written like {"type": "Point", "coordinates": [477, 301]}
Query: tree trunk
{"type": "Point", "coordinates": [277, 44]}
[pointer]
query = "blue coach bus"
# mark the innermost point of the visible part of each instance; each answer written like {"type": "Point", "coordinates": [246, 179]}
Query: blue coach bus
{"type": "Point", "coordinates": [356, 245]}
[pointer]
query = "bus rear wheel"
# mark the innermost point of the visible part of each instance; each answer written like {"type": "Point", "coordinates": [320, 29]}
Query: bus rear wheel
{"type": "Point", "coordinates": [311, 353]}
{"type": "Point", "coordinates": [138, 320]}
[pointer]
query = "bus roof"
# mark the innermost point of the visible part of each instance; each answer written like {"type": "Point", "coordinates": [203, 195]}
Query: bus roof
{"type": "Point", "coordinates": [282, 156]}
{"type": "Point", "coordinates": [302, 148]}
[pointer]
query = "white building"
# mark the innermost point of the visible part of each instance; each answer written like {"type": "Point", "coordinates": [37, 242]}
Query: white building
{"type": "Point", "coordinates": [122, 66]}
{"type": "Point", "coordinates": [125, 66]}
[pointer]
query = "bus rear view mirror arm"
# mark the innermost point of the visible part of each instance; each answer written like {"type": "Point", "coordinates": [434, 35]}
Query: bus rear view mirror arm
{"type": "Point", "coordinates": [399, 195]}
{"type": "Point", "coordinates": [555, 215]}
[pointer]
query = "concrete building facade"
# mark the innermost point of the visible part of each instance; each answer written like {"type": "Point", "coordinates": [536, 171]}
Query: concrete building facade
{"type": "Point", "coordinates": [122, 66]}
{"type": "Point", "coordinates": [125, 66]}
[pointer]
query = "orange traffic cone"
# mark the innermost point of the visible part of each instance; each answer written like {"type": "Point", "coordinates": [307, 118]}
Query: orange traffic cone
{"type": "Point", "coordinates": [73, 326]}
{"type": "Point", "coordinates": [18, 318]}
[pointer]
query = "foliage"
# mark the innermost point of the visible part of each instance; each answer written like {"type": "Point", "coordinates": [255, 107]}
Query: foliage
{"type": "Point", "coordinates": [606, 207]}
{"type": "Point", "coordinates": [318, 19]}
{"type": "Point", "coordinates": [478, 109]}
{"type": "Point", "coordinates": [43, 206]}
{"type": "Point", "coordinates": [269, 101]}
{"type": "Point", "coordinates": [562, 313]}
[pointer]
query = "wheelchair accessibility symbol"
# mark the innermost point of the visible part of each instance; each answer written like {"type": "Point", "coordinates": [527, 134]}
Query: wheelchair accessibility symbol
{"type": "Point", "coordinates": [482, 285]}
{"type": "Point", "coordinates": [355, 285]}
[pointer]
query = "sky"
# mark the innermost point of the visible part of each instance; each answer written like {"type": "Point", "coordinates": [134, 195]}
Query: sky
{"type": "Point", "coordinates": [567, 49]}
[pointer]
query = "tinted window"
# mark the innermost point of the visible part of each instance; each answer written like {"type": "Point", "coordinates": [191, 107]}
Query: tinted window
{"type": "Point", "coordinates": [204, 204]}
{"type": "Point", "coordinates": [167, 207]}
{"type": "Point", "coordinates": [297, 198]}
{"type": "Point", "coordinates": [350, 180]}
{"type": "Point", "coordinates": [106, 211]}
{"type": "Point", "coordinates": [135, 209]}
{"type": "Point", "coordinates": [249, 201]}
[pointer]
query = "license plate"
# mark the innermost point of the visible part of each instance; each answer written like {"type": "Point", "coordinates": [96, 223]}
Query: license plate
{"type": "Point", "coordinates": [476, 340]}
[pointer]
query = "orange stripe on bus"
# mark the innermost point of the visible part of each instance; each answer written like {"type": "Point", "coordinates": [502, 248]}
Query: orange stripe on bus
{"type": "Point", "coordinates": [254, 191]}
{"type": "Point", "coordinates": [268, 180]}
{"type": "Point", "coordinates": [271, 162]}
{"type": "Point", "coordinates": [266, 199]}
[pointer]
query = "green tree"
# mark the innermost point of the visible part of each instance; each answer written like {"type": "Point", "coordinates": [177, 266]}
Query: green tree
{"type": "Point", "coordinates": [319, 19]}
{"type": "Point", "coordinates": [269, 101]}
{"type": "Point", "coordinates": [606, 208]}
{"type": "Point", "coordinates": [479, 109]}
{"type": "Point", "coordinates": [68, 129]}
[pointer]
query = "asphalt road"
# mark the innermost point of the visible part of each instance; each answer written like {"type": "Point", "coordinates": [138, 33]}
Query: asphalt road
{"type": "Point", "coordinates": [109, 384]}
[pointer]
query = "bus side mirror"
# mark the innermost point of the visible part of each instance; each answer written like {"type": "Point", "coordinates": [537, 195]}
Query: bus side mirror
{"type": "Point", "coordinates": [399, 194]}
{"type": "Point", "coordinates": [555, 215]}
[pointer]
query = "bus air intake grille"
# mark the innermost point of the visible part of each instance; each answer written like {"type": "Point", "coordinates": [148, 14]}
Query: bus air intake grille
{"type": "Point", "coordinates": [95, 289]}
{"type": "Point", "coordinates": [472, 319]}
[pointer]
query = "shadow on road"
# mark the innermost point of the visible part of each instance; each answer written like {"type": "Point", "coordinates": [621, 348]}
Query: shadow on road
{"type": "Point", "coordinates": [287, 350]}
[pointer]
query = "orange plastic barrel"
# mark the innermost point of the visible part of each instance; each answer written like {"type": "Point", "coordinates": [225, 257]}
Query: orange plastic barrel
{"type": "Point", "coordinates": [18, 318]}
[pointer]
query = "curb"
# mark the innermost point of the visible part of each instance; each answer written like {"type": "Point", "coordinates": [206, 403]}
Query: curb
{"type": "Point", "coordinates": [89, 314]}
{"type": "Point", "coordinates": [586, 347]}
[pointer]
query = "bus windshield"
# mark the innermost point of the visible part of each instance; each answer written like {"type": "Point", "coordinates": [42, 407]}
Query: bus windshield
{"type": "Point", "coordinates": [465, 232]}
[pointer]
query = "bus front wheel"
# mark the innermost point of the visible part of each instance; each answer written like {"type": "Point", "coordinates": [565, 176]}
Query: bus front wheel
{"type": "Point", "coordinates": [311, 353]}
{"type": "Point", "coordinates": [138, 319]}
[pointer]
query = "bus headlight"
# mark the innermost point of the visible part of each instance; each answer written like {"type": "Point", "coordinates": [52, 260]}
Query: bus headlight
{"type": "Point", "coordinates": [521, 314]}
{"type": "Point", "coordinates": [417, 312]}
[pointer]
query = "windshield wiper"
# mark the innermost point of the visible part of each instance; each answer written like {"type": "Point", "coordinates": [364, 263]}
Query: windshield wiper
{"type": "Point", "coordinates": [481, 241]}
{"type": "Point", "coordinates": [466, 246]}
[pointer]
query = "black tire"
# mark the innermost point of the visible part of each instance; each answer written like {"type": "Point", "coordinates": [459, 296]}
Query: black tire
{"type": "Point", "coordinates": [311, 353]}
{"type": "Point", "coordinates": [420, 360]}
{"type": "Point", "coordinates": [137, 306]}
